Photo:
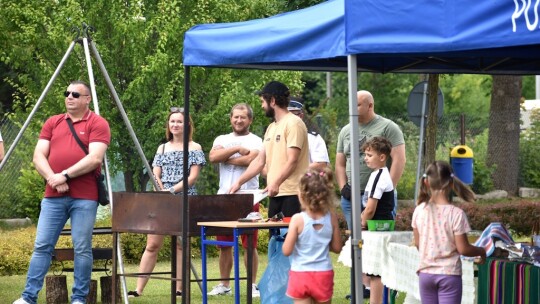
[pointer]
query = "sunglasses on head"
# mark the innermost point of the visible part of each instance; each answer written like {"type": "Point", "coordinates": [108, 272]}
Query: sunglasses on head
{"type": "Point", "coordinates": [177, 110]}
{"type": "Point", "coordinates": [74, 94]}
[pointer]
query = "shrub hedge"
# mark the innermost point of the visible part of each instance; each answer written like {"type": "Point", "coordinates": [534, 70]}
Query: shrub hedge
{"type": "Point", "coordinates": [517, 216]}
{"type": "Point", "coordinates": [17, 245]}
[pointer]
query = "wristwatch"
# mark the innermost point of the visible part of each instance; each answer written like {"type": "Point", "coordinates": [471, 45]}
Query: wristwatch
{"type": "Point", "coordinates": [171, 189]}
{"type": "Point", "coordinates": [65, 174]}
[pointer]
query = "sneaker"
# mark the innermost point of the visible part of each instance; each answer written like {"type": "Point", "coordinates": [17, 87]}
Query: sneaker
{"type": "Point", "coordinates": [220, 290]}
{"type": "Point", "coordinates": [178, 293]}
{"type": "Point", "coordinates": [255, 293]}
{"type": "Point", "coordinates": [133, 294]}
{"type": "Point", "coordinates": [78, 302]}
{"type": "Point", "coordinates": [20, 301]}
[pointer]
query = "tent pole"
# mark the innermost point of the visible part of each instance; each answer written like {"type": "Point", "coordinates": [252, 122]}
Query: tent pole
{"type": "Point", "coordinates": [185, 210]}
{"type": "Point", "coordinates": [356, 199]}
{"type": "Point", "coordinates": [537, 86]}
{"type": "Point", "coordinates": [421, 141]}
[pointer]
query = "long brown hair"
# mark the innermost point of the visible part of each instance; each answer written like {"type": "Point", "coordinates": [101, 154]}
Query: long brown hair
{"type": "Point", "coordinates": [440, 176]}
{"type": "Point", "coordinates": [191, 127]}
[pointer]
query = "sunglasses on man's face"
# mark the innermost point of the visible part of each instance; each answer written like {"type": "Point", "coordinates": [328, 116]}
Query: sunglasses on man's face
{"type": "Point", "coordinates": [177, 110]}
{"type": "Point", "coordinates": [74, 94]}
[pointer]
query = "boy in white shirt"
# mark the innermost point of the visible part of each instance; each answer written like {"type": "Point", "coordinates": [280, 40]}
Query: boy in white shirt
{"type": "Point", "coordinates": [380, 196]}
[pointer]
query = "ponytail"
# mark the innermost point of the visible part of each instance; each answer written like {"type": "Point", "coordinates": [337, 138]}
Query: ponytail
{"type": "Point", "coordinates": [462, 191]}
{"type": "Point", "coordinates": [423, 195]}
{"type": "Point", "coordinates": [440, 176]}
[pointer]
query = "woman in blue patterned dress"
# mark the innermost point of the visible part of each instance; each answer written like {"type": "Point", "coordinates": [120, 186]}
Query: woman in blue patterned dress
{"type": "Point", "coordinates": [167, 168]}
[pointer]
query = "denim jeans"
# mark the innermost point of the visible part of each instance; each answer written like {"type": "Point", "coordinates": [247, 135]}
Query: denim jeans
{"type": "Point", "coordinates": [346, 208]}
{"type": "Point", "coordinates": [53, 216]}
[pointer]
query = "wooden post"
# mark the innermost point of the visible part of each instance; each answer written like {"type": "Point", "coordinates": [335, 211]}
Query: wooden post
{"type": "Point", "coordinates": [91, 298]}
{"type": "Point", "coordinates": [56, 289]}
{"type": "Point", "coordinates": [106, 290]}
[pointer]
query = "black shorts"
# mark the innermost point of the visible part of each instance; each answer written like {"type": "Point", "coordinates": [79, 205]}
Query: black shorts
{"type": "Point", "coordinates": [288, 204]}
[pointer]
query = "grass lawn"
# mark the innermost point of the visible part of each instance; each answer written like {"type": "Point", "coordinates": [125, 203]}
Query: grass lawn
{"type": "Point", "coordinates": [157, 291]}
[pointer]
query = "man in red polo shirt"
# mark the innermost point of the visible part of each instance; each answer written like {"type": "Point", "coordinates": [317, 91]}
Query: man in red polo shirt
{"type": "Point", "coordinates": [71, 190]}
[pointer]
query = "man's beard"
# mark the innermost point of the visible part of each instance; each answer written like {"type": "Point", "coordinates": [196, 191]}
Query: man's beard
{"type": "Point", "coordinates": [241, 131]}
{"type": "Point", "coordinates": [269, 112]}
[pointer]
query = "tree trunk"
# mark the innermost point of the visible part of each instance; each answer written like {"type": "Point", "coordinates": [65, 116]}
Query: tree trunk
{"type": "Point", "coordinates": [106, 289]}
{"type": "Point", "coordinates": [503, 139]}
{"type": "Point", "coordinates": [91, 298]}
{"type": "Point", "coordinates": [432, 118]}
{"type": "Point", "coordinates": [128, 181]}
{"type": "Point", "coordinates": [56, 289]}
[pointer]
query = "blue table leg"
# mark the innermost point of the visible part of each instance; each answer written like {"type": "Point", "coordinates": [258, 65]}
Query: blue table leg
{"type": "Point", "coordinates": [204, 275]}
{"type": "Point", "coordinates": [249, 268]}
{"type": "Point", "coordinates": [236, 268]}
{"type": "Point", "coordinates": [236, 262]}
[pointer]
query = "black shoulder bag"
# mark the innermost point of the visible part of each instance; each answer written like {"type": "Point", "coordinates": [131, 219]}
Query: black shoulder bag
{"type": "Point", "coordinates": [103, 194]}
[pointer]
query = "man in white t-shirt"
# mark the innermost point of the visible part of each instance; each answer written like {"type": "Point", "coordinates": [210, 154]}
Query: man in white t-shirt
{"type": "Point", "coordinates": [318, 153]}
{"type": "Point", "coordinates": [234, 152]}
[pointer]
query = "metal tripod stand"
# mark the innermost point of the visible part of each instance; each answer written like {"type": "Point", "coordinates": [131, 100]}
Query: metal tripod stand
{"type": "Point", "coordinates": [83, 36]}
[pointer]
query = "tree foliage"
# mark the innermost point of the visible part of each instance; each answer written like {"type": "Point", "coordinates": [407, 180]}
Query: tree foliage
{"type": "Point", "coordinates": [528, 154]}
{"type": "Point", "coordinates": [141, 46]}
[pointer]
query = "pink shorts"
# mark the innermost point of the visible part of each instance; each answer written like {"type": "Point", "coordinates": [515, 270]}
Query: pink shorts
{"type": "Point", "coordinates": [318, 285]}
{"type": "Point", "coordinates": [244, 238]}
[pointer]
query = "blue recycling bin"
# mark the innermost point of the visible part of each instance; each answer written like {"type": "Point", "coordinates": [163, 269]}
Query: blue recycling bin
{"type": "Point", "coordinates": [461, 159]}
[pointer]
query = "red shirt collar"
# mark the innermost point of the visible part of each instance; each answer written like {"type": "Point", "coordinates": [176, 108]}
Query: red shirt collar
{"type": "Point", "coordinates": [85, 116]}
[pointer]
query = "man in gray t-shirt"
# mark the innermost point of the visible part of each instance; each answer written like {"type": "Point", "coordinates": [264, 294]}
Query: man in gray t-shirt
{"type": "Point", "coordinates": [370, 125]}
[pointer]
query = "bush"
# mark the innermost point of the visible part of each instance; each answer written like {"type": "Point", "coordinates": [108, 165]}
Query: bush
{"type": "Point", "coordinates": [16, 250]}
{"type": "Point", "coordinates": [18, 244]}
{"type": "Point", "coordinates": [517, 216]}
{"type": "Point", "coordinates": [482, 181]}
{"type": "Point", "coordinates": [529, 163]}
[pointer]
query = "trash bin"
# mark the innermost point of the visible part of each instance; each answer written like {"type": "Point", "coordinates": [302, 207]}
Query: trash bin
{"type": "Point", "coordinates": [461, 159]}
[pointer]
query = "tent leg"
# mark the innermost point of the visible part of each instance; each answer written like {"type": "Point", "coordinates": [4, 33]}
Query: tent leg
{"type": "Point", "coordinates": [421, 141]}
{"type": "Point", "coordinates": [186, 260]}
{"type": "Point", "coordinates": [356, 199]}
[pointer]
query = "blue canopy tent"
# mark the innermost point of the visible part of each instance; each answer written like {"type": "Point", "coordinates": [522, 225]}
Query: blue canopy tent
{"type": "Point", "coordinates": [307, 39]}
{"type": "Point", "coordinates": [444, 36]}
{"type": "Point", "coordinates": [425, 36]}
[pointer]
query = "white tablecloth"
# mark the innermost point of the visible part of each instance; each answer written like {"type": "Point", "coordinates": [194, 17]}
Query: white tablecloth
{"type": "Point", "coordinates": [393, 256]}
{"type": "Point", "coordinates": [375, 254]}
